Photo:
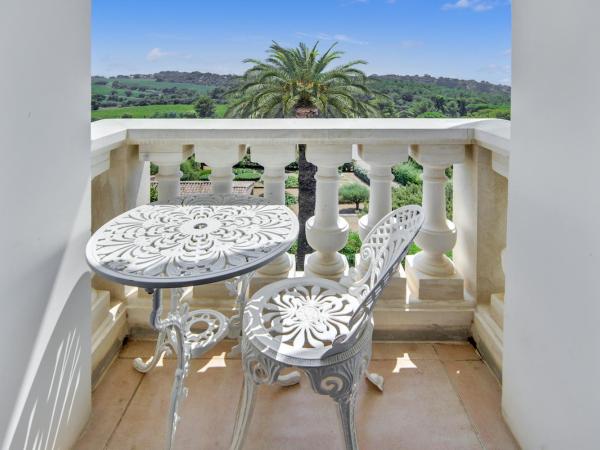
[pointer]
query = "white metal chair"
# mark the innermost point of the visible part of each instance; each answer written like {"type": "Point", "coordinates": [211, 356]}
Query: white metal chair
{"type": "Point", "coordinates": [323, 327]}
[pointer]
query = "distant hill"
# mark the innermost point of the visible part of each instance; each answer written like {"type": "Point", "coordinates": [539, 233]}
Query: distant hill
{"type": "Point", "coordinates": [202, 78]}
{"type": "Point", "coordinates": [397, 95]}
{"type": "Point", "coordinates": [214, 79]}
{"type": "Point", "coordinates": [453, 83]}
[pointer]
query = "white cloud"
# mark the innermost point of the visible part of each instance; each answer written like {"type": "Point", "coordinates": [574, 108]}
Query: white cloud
{"type": "Point", "coordinates": [332, 37]}
{"type": "Point", "coordinates": [507, 52]}
{"type": "Point", "coordinates": [156, 53]}
{"type": "Point", "coordinates": [474, 5]}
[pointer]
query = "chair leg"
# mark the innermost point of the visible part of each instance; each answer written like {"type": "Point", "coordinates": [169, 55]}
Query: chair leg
{"type": "Point", "coordinates": [346, 409]}
{"type": "Point", "coordinates": [244, 413]}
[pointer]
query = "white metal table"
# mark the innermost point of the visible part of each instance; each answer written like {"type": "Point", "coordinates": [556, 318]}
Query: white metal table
{"type": "Point", "coordinates": [175, 246]}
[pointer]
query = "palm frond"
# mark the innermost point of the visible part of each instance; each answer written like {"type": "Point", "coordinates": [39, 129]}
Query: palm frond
{"type": "Point", "coordinates": [290, 78]}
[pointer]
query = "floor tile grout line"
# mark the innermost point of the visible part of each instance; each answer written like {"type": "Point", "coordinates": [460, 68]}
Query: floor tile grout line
{"type": "Point", "coordinates": [124, 411]}
{"type": "Point", "coordinates": [462, 404]}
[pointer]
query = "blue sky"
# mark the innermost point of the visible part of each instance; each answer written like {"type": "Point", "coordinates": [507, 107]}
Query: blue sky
{"type": "Point", "coordinates": [467, 39]}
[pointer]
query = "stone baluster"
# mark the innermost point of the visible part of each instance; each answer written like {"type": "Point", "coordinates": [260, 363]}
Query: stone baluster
{"type": "Point", "coordinates": [326, 231]}
{"type": "Point", "coordinates": [220, 157]}
{"type": "Point", "coordinates": [168, 156]}
{"type": "Point", "coordinates": [380, 158]}
{"type": "Point", "coordinates": [274, 158]}
{"type": "Point", "coordinates": [431, 274]}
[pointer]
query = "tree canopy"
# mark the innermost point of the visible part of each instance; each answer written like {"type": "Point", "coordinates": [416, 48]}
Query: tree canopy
{"type": "Point", "coordinates": [300, 82]}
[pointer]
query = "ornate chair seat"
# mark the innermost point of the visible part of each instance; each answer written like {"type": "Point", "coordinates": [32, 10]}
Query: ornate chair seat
{"type": "Point", "coordinates": [296, 321]}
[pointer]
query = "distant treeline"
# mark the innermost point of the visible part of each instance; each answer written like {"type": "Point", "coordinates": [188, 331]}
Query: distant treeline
{"type": "Point", "coordinates": [396, 95]}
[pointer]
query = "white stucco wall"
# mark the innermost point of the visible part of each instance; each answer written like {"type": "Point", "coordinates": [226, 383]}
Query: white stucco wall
{"type": "Point", "coordinates": [551, 397]}
{"type": "Point", "coordinates": [44, 143]}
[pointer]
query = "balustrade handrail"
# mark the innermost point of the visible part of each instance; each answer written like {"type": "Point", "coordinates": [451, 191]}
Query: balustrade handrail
{"type": "Point", "coordinates": [493, 134]}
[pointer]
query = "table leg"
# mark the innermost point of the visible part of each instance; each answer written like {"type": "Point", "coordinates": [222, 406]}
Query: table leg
{"type": "Point", "coordinates": [164, 341]}
{"type": "Point", "coordinates": [238, 287]}
{"type": "Point", "coordinates": [178, 391]}
{"type": "Point", "coordinates": [187, 333]}
{"type": "Point", "coordinates": [162, 346]}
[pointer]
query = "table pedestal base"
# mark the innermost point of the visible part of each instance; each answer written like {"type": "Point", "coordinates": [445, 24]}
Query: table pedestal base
{"type": "Point", "coordinates": [188, 334]}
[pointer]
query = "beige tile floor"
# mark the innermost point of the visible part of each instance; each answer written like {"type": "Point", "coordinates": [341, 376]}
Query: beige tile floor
{"type": "Point", "coordinates": [437, 396]}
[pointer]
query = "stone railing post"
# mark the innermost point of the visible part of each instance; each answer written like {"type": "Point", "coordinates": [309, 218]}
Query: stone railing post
{"type": "Point", "coordinates": [497, 299]}
{"type": "Point", "coordinates": [121, 181]}
{"type": "Point", "coordinates": [274, 158]}
{"type": "Point", "coordinates": [220, 157]}
{"type": "Point", "coordinates": [431, 274]}
{"type": "Point", "coordinates": [480, 206]}
{"type": "Point", "coordinates": [168, 156]}
{"type": "Point", "coordinates": [380, 158]}
{"type": "Point", "coordinates": [326, 231]}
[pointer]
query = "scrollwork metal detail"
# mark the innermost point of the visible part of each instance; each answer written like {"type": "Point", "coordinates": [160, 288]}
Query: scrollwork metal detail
{"type": "Point", "coordinates": [307, 316]}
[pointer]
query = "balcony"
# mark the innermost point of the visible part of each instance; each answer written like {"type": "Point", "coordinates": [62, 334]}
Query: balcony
{"type": "Point", "coordinates": [431, 298]}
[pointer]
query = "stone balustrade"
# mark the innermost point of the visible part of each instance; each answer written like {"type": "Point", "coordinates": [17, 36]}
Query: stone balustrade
{"type": "Point", "coordinates": [435, 296]}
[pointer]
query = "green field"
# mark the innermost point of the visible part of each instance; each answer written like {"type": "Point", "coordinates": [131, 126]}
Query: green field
{"type": "Point", "coordinates": [139, 112]}
{"type": "Point", "coordinates": [106, 89]}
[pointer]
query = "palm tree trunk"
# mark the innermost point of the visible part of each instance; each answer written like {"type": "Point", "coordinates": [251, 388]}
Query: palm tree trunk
{"type": "Point", "coordinates": [307, 187]}
{"type": "Point", "coordinates": [306, 202]}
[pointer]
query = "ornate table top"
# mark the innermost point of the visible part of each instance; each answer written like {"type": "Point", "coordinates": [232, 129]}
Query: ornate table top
{"type": "Point", "coordinates": [161, 246]}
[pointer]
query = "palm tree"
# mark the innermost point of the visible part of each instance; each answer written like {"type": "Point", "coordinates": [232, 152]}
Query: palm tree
{"type": "Point", "coordinates": [298, 82]}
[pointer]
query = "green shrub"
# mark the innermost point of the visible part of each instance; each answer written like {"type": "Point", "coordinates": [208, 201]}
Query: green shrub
{"type": "Point", "coordinates": [290, 199]}
{"type": "Point", "coordinates": [354, 193]}
{"type": "Point", "coordinates": [204, 106]}
{"type": "Point", "coordinates": [431, 115]}
{"type": "Point", "coordinates": [449, 207]}
{"type": "Point", "coordinates": [188, 115]}
{"type": "Point", "coordinates": [294, 248]}
{"type": "Point", "coordinates": [291, 181]}
{"type": "Point", "coordinates": [196, 175]}
{"type": "Point", "coordinates": [246, 175]}
{"type": "Point", "coordinates": [350, 250]}
{"type": "Point", "coordinates": [153, 169]}
{"type": "Point", "coordinates": [352, 247]}
{"type": "Point", "coordinates": [410, 194]}
{"type": "Point", "coordinates": [406, 173]}
{"type": "Point", "coordinates": [362, 174]}
{"type": "Point", "coordinates": [153, 193]}
{"type": "Point", "coordinates": [247, 163]}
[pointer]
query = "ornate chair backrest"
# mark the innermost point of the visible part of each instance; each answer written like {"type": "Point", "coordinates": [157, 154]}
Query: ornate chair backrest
{"type": "Point", "coordinates": [383, 250]}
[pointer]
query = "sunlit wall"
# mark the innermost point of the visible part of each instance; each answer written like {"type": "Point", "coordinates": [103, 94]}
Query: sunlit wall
{"type": "Point", "coordinates": [44, 142]}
